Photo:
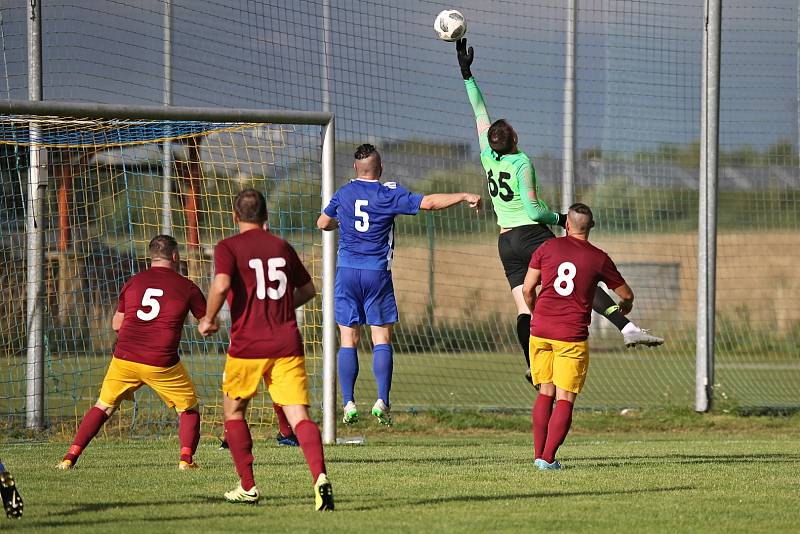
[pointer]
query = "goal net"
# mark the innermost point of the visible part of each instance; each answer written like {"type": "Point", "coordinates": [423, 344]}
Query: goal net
{"type": "Point", "coordinates": [113, 184]}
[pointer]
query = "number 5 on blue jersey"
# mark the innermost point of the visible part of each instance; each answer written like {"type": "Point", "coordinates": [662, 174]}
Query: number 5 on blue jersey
{"type": "Point", "coordinates": [362, 224]}
{"type": "Point", "coordinates": [366, 210]}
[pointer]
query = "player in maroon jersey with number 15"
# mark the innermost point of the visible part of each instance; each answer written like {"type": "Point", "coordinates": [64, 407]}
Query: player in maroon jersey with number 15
{"type": "Point", "coordinates": [568, 269]}
{"type": "Point", "coordinates": [264, 281]}
{"type": "Point", "coordinates": [152, 309]}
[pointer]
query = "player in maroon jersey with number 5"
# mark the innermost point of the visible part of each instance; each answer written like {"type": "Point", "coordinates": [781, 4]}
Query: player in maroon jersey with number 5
{"type": "Point", "coordinates": [264, 281]}
{"type": "Point", "coordinates": [568, 269]}
{"type": "Point", "coordinates": [152, 309]}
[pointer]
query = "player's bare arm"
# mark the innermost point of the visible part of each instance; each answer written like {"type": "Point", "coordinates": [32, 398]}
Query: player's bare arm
{"type": "Point", "coordinates": [440, 201]}
{"type": "Point", "coordinates": [197, 306]}
{"type": "Point", "coordinates": [216, 297]}
{"type": "Point", "coordinates": [116, 321]}
{"type": "Point", "coordinates": [327, 223]}
{"type": "Point", "coordinates": [532, 279]}
{"type": "Point", "coordinates": [304, 294]}
{"type": "Point", "coordinates": [625, 294]}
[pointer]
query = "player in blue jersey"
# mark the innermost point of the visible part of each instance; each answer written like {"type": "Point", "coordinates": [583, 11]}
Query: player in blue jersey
{"type": "Point", "coordinates": [364, 211]}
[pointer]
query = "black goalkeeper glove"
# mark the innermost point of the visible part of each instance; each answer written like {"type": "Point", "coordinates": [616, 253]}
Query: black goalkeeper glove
{"type": "Point", "coordinates": [562, 220]}
{"type": "Point", "coordinates": [465, 56]}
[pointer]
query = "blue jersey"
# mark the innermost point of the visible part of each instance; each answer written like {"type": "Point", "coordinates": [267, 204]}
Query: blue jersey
{"type": "Point", "coordinates": [366, 210]}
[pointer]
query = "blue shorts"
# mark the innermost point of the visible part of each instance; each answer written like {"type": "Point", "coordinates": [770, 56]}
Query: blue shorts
{"type": "Point", "coordinates": [363, 296]}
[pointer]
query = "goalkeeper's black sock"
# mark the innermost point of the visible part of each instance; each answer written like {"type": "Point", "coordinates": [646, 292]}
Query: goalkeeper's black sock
{"type": "Point", "coordinates": [617, 319]}
{"type": "Point", "coordinates": [605, 306]}
{"type": "Point", "coordinates": [524, 335]}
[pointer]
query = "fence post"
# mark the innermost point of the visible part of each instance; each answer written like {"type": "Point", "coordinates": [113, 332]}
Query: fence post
{"type": "Point", "coordinates": [707, 217]}
{"type": "Point", "coordinates": [431, 308]}
{"type": "Point", "coordinates": [34, 229]}
{"type": "Point", "coordinates": [166, 157]}
{"type": "Point", "coordinates": [328, 274]}
{"type": "Point", "coordinates": [568, 165]}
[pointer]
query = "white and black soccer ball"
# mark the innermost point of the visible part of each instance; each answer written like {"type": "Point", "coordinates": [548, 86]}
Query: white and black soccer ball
{"type": "Point", "coordinates": [450, 25]}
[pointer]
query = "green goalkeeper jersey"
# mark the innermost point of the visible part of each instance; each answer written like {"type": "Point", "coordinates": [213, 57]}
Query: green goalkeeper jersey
{"type": "Point", "coordinates": [511, 178]}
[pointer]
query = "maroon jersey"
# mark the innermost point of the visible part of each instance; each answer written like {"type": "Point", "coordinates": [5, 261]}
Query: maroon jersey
{"type": "Point", "coordinates": [264, 271]}
{"type": "Point", "coordinates": [155, 303]}
{"type": "Point", "coordinates": [571, 269]}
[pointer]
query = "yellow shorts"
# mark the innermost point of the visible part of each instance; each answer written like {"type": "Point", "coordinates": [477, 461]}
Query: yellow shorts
{"type": "Point", "coordinates": [285, 377]}
{"type": "Point", "coordinates": [172, 384]}
{"type": "Point", "coordinates": [563, 363]}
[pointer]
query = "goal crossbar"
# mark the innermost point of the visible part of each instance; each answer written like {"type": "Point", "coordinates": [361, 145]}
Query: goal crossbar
{"type": "Point", "coordinates": [124, 111]}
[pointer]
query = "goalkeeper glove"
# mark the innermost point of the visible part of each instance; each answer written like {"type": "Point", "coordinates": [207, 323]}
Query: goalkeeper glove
{"type": "Point", "coordinates": [562, 220]}
{"type": "Point", "coordinates": [465, 56]}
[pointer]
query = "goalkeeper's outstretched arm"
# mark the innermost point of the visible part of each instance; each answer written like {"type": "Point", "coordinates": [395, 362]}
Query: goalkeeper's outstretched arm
{"type": "Point", "coordinates": [536, 210]}
{"type": "Point", "coordinates": [465, 57]}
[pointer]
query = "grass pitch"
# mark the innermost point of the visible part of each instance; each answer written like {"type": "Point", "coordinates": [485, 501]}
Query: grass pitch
{"type": "Point", "coordinates": [637, 378]}
{"type": "Point", "coordinates": [440, 472]}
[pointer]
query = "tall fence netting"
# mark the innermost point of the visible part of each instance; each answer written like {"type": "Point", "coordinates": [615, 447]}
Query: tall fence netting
{"type": "Point", "coordinates": [390, 82]}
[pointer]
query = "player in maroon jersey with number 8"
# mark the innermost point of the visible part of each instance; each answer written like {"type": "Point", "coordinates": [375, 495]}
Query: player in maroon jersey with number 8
{"type": "Point", "coordinates": [568, 269]}
{"type": "Point", "coordinates": [264, 281]}
{"type": "Point", "coordinates": [149, 320]}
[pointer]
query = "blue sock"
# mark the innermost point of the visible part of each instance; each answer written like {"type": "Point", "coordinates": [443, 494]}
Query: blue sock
{"type": "Point", "coordinates": [348, 372]}
{"type": "Point", "coordinates": [382, 369]}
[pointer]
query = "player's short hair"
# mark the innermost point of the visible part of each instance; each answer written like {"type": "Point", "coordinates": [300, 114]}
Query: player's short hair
{"type": "Point", "coordinates": [583, 209]}
{"type": "Point", "coordinates": [250, 206]}
{"type": "Point", "coordinates": [162, 247]}
{"type": "Point", "coordinates": [364, 151]}
{"type": "Point", "coordinates": [501, 137]}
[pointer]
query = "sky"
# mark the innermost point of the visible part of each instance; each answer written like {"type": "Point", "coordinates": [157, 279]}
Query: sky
{"type": "Point", "coordinates": [638, 65]}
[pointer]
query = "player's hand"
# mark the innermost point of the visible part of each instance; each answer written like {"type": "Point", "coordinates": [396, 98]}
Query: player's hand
{"type": "Point", "coordinates": [473, 200]}
{"type": "Point", "coordinates": [465, 57]}
{"type": "Point", "coordinates": [625, 307]}
{"type": "Point", "coordinates": [207, 326]}
{"type": "Point", "coordinates": [562, 220]}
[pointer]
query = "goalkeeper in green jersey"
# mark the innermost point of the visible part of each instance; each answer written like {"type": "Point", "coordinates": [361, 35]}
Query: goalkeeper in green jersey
{"type": "Point", "coordinates": [522, 214]}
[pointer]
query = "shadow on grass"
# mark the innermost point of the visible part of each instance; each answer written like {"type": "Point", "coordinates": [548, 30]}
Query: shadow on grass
{"type": "Point", "coordinates": [689, 459]}
{"type": "Point", "coordinates": [534, 495]}
{"type": "Point", "coordinates": [455, 461]}
{"type": "Point", "coordinates": [36, 524]}
{"type": "Point", "coordinates": [94, 507]}
{"type": "Point", "coordinates": [266, 499]}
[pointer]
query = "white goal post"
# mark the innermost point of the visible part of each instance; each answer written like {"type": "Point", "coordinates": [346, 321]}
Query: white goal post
{"type": "Point", "coordinates": [31, 110]}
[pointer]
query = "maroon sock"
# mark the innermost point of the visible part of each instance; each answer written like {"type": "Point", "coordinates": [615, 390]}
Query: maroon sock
{"type": "Point", "coordinates": [308, 435]}
{"type": "Point", "coordinates": [90, 426]}
{"type": "Point", "coordinates": [540, 418]}
{"type": "Point", "coordinates": [560, 421]}
{"type": "Point", "coordinates": [240, 443]}
{"type": "Point", "coordinates": [283, 424]}
{"type": "Point", "coordinates": [188, 433]}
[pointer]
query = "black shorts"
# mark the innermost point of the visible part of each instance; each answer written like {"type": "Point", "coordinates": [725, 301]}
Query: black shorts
{"type": "Point", "coordinates": [516, 248]}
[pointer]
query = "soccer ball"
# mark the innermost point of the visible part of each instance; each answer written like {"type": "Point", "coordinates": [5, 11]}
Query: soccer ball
{"type": "Point", "coordinates": [450, 25]}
